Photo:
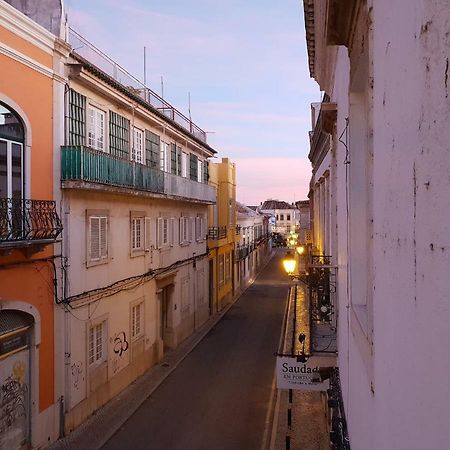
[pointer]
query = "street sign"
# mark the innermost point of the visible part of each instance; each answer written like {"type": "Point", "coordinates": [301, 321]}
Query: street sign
{"type": "Point", "coordinates": [304, 376]}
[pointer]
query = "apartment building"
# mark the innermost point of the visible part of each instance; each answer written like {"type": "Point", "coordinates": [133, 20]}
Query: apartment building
{"type": "Point", "coordinates": [287, 217]}
{"type": "Point", "coordinates": [222, 233]}
{"type": "Point", "coordinates": [135, 196]}
{"type": "Point", "coordinates": [31, 88]}
{"type": "Point", "coordinates": [384, 214]}
{"type": "Point", "coordinates": [253, 245]}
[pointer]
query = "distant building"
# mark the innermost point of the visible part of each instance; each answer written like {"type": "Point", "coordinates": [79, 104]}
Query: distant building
{"type": "Point", "coordinates": [286, 216]}
{"type": "Point", "coordinates": [253, 244]}
{"type": "Point", "coordinates": [222, 233]}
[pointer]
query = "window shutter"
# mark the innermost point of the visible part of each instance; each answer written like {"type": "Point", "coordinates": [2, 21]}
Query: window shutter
{"type": "Point", "coordinates": [103, 237]}
{"type": "Point", "coordinates": [94, 238]}
{"type": "Point", "coordinates": [159, 232]}
{"type": "Point", "coordinates": [77, 118]}
{"type": "Point", "coordinates": [179, 161]}
{"type": "Point", "coordinates": [172, 232]}
{"type": "Point", "coordinates": [173, 159]}
{"type": "Point", "coordinates": [181, 229]}
{"type": "Point", "coordinates": [205, 171]}
{"type": "Point", "coordinates": [119, 135]}
{"type": "Point", "coordinates": [148, 233]}
{"type": "Point", "coordinates": [191, 228]}
{"type": "Point", "coordinates": [193, 167]}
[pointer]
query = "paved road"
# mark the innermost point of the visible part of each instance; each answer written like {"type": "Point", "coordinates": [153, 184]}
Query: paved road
{"type": "Point", "coordinates": [218, 397]}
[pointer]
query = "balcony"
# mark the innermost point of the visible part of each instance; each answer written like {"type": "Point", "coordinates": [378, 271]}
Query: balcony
{"type": "Point", "coordinates": [25, 223]}
{"type": "Point", "coordinates": [188, 189]}
{"type": "Point", "coordinates": [83, 167]}
{"type": "Point", "coordinates": [216, 233]}
{"type": "Point", "coordinates": [321, 282]}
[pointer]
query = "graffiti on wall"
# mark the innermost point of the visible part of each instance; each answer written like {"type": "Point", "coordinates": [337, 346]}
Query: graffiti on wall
{"type": "Point", "coordinates": [77, 372]}
{"type": "Point", "coordinates": [120, 348]}
{"type": "Point", "coordinates": [13, 394]}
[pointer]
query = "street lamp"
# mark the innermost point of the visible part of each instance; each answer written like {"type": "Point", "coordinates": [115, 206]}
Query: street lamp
{"type": "Point", "coordinates": [289, 263]}
{"type": "Point", "coordinates": [300, 249]}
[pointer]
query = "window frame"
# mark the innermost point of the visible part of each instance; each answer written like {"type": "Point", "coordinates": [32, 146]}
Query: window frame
{"type": "Point", "coordinates": [97, 360]}
{"type": "Point", "coordinates": [137, 153]}
{"type": "Point", "coordinates": [102, 259]}
{"type": "Point", "coordinates": [138, 305]}
{"type": "Point", "coordinates": [92, 128]}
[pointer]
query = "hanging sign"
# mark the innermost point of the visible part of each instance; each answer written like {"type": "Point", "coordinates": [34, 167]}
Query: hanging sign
{"type": "Point", "coordinates": [309, 375]}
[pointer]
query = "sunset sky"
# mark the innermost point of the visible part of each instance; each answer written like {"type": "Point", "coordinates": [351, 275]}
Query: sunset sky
{"type": "Point", "coordinates": [244, 63]}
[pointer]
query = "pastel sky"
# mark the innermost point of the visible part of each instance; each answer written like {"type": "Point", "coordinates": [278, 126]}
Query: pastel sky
{"type": "Point", "coordinates": [244, 63]}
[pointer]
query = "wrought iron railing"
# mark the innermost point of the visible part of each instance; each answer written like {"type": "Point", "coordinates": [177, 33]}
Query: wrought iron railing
{"type": "Point", "coordinates": [339, 438]}
{"type": "Point", "coordinates": [238, 229]}
{"type": "Point", "coordinates": [321, 280]}
{"type": "Point", "coordinates": [92, 54]}
{"type": "Point", "coordinates": [85, 164]}
{"type": "Point", "coordinates": [28, 220]}
{"type": "Point", "coordinates": [216, 233]}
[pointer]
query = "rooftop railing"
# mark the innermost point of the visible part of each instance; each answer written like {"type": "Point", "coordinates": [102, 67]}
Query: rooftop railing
{"type": "Point", "coordinates": [95, 56]}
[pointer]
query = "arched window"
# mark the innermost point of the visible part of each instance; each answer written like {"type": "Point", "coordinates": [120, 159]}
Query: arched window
{"type": "Point", "coordinates": [12, 139]}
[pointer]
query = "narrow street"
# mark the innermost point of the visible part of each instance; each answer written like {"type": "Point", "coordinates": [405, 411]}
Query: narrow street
{"type": "Point", "coordinates": [219, 396]}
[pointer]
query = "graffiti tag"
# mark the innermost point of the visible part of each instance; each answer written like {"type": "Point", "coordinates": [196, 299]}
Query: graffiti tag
{"type": "Point", "coordinates": [120, 343]}
{"type": "Point", "coordinates": [12, 402]}
{"type": "Point", "coordinates": [77, 370]}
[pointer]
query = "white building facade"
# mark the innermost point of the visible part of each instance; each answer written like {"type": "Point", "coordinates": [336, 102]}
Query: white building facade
{"type": "Point", "coordinates": [385, 71]}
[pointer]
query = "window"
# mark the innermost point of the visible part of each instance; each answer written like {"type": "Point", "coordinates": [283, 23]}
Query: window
{"type": "Point", "coordinates": [227, 267]}
{"type": "Point", "coordinates": [11, 158]}
{"type": "Point", "coordinates": [163, 232]}
{"type": "Point", "coordinates": [77, 122]}
{"type": "Point", "coordinates": [193, 167]}
{"type": "Point", "coordinates": [164, 157]}
{"type": "Point", "coordinates": [281, 216]}
{"type": "Point", "coordinates": [96, 343]}
{"type": "Point", "coordinates": [152, 149]}
{"type": "Point", "coordinates": [184, 230]}
{"type": "Point", "coordinates": [98, 238]}
{"type": "Point", "coordinates": [184, 164]}
{"type": "Point", "coordinates": [221, 270]}
{"type": "Point", "coordinates": [137, 232]}
{"type": "Point", "coordinates": [199, 228]}
{"type": "Point", "coordinates": [199, 170]}
{"type": "Point", "coordinates": [288, 217]}
{"type": "Point", "coordinates": [137, 149]}
{"type": "Point", "coordinates": [119, 135]}
{"type": "Point", "coordinates": [137, 320]}
{"type": "Point", "coordinates": [96, 128]}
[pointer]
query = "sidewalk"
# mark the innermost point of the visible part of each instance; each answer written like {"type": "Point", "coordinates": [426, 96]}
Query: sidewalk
{"type": "Point", "coordinates": [98, 428]}
{"type": "Point", "coordinates": [300, 421]}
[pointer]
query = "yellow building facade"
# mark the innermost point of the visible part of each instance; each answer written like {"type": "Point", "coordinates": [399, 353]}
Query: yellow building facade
{"type": "Point", "coordinates": [222, 234]}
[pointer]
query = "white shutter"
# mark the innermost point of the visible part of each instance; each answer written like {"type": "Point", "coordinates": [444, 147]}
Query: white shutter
{"type": "Point", "coordinates": [180, 229]}
{"type": "Point", "coordinates": [148, 233]}
{"type": "Point", "coordinates": [172, 232]}
{"type": "Point", "coordinates": [191, 229]}
{"type": "Point", "coordinates": [103, 237]}
{"type": "Point", "coordinates": [94, 238]}
{"type": "Point", "coordinates": [159, 232]}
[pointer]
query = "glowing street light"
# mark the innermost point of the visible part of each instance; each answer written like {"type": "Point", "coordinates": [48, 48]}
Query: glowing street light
{"type": "Point", "coordinates": [300, 249]}
{"type": "Point", "coordinates": [289, 264]}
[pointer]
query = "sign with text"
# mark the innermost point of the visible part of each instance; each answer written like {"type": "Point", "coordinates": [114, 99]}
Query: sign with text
{"type": "Point", "coordinates": [305, 376]}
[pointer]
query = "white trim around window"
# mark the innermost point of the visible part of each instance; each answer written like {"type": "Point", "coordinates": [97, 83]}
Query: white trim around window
{"type": "Point", "coordinates": [137, 147]}
{"type": "Point", "coordinates": [96, 343]}
{"type": "Point", "coordinates": [97, 240]}
{"type": "Point", "coordinates": [96, 128]}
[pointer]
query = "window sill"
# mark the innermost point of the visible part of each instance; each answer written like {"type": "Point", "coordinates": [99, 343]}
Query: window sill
{"type": "Point", "coordinates": [97, 263]}
{"type": "Point", "coordinates": [136, 253]}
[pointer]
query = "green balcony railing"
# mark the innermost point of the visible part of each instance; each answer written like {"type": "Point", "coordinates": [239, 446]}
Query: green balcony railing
{"type": "Point", "coordinates": [85, 164]}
